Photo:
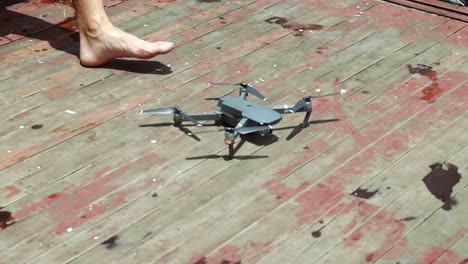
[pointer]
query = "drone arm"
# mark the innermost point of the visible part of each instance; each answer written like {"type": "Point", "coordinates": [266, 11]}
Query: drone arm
{"type": "Point", "coordinates": [206, 116]}
{"type": "Point", "coordinates": [283, 109]}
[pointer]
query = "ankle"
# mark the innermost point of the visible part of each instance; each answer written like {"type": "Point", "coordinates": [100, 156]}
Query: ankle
{"type": "Point", "coordinates": [93, 28]}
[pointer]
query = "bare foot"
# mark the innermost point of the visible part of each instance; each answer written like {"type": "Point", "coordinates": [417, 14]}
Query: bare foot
{"type": "Point", "coordinates": [110, 42]}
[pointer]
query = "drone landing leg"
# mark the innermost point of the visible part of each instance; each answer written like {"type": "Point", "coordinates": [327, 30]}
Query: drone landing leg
{"type": "Point", "coordinates": [231, 151]}
{"type": "Point", "coordinates": [305, 123]}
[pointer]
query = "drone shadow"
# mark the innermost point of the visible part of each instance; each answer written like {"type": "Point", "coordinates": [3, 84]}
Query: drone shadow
{"type": "Point", "coordinates": [254, 139]}
{"type": "Point", "coordinates": [183, 128]}
{"type": "Point", "coordinates": [297, 129]}
{"type": "Point", "coordinates": [62, 37]}
{"type": "Point", "coordinates": [226, 157]}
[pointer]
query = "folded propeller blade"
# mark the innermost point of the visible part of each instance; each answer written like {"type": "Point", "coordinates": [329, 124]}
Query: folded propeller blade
{"type": "Point", "coordinates": [158, 111]}
{"type": "Point", "coordinates": [252, 90]}
{"type": "Point", "coordinates": [224, 83]}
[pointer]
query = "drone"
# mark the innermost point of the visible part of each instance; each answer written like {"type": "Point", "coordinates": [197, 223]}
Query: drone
{"type": "Point", "coordinates": [240, 116]}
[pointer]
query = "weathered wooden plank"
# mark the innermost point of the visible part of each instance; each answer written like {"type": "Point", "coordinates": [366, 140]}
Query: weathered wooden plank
{"type": "Point", "coordinates": [325, 193]}
{"type": "Point", "coordinates": [418, 201]}
{"type": "Point", "coordinates": [116, 162]}
{"type": "Point", "coordinates": [126, 90]}
{"type": "Point", "coordinates": [107, 254]}
{"type": "Point", "coordinates": [44, 108]}
{"type": "Point", "coordinates": [113, 92]}
{"type": "Point", "coordinates": [341, 221]}
{"type": "Point", "coordinates": [383, 238]}
{"type": "Point", "coordinates": [11, 193]}
{"type": "Point", "coordinates": [54, 58]}
{"type": "Point", "coordinates": [456, 253]}
{"type": "Point", "coordinates": [234, 176]}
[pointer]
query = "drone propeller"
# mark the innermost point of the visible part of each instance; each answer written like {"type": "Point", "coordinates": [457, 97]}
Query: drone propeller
{"type": "Point", "coordinates": [158, 111]}
{"type": "Point", "coordinates": [248, 87]}
{"type": "Point", "coordinates": [300, 104]}
{"type": "Point", "coordinates": [224, 83]}
{"type": "Point", "coordinates": [303, 102]}
{"type": "Point", "coordinates": [170, 110]}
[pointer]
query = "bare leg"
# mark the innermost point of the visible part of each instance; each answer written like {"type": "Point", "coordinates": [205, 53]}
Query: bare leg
{"type": "Point", "coordinates": [100, 41]}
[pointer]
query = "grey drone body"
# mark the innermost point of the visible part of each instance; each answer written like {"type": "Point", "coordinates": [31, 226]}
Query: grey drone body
{"type": "Point", "coordinates": [241, 116]}
{"type": "Point", "coordinates": [233, 109]}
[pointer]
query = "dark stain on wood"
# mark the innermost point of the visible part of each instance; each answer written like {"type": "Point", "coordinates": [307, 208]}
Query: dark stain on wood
{"type": "Point", "coordinates": [6, 219]}
{"type": "Point", "coordinates": [316, 233]}
{"type": "Point", "coordinates": [409, 218]}
{"type": "Point", "coordinates": [440, 182]}
{"type": "Point", "coordinates": [201, 261]}
{"type": "Point", "coordinates": [370, 257]}
{"type": "Point", "coordinates": [230, 262]}
{"type": "Point", "coordinates": [111, 242]}
{"type": "Point", "coordinates": [276, 20]}
{"type": "Point", "coordinates": [147, 235]}
{"type": "Point", "coordinates": [364, 193]}
{"type": "Point", "coordinates": [54, 195]}
{"type": "Point", "coordinates": [298, 28]}
{"type": "Point", "coordinates": [37, 126]}
{"type": "Point", "coordinates": [423, 70]}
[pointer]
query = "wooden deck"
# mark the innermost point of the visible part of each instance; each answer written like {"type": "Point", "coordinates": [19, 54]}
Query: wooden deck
{"type": "Point", "coordinates": [85, 179]}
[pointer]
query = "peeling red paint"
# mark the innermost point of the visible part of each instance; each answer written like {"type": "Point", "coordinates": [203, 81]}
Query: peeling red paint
{"type": "Point", "coordinates": [431, 92]}
{"type": "Point", "coordinates": [55, 92]}
{"type": "Point", "coordinates": [283, 192]}
{"type": "Point", "coordinates": [384, 225]}
{"type": "Point", "coordinates": [450, 257]}
{"type": "Point", "coordinates": [431, 255]}
{"type": "Point", "coordinates": [252, 250]}
{"type": "Point", "coordinates": [359, 210]}
{"type": "Point", "coordinates": [315, 201]}
{"type": "Point", "coordinates": [397, 249]}
{"type": "Point", "coordinates": [11, 191]}
{"type": "Point", "coordinates": [72, 210]}
{"type": "Point", "coordinates": [337, 81]}
{"type": "Point", "coordinates": [20, 116]}
{"type": "Point", "coordinates": [317, 146]}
